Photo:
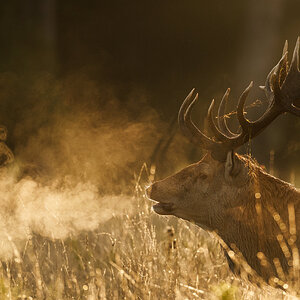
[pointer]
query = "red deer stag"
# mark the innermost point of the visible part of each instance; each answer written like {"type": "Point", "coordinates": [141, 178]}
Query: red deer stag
{"type": "Point", "coordinates": [253, 213]}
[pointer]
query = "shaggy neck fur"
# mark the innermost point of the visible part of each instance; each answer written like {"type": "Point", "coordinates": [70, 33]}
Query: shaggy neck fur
{"type": "Point", "coordinates": [260, 227]}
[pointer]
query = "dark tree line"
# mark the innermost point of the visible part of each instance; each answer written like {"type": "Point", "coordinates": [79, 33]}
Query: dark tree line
{"type": "Point", "coordinates": [159, 49]}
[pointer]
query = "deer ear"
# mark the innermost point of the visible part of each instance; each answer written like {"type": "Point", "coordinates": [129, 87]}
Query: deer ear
{"type": "Point", "coordinates": [233, 166]}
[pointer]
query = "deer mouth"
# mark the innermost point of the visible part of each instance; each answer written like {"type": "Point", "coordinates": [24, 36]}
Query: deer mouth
{"type": "Point", "coordinates": [163, 208]}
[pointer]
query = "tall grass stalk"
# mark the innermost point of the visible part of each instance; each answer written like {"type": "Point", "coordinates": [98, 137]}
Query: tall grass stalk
{"type": "Point", "coordinates": [138, 255]}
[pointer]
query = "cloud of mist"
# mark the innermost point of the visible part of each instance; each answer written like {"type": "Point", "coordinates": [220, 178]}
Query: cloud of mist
{"type": "Point", "coordinates": [52, 211]}
{"type": "Point", "coordinates": [76, 147]}
{"type": "Point", "coordinates": [73, 127]}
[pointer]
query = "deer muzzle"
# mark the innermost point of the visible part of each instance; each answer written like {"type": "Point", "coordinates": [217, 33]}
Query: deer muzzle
{"type": "Point", "coordinates": [160, 207]}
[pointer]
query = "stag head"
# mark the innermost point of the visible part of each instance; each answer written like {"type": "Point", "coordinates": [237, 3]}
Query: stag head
{"type": "Point", "coordinates": [203, 191]}
{"type": "Point", "coordinates": [220, 192]}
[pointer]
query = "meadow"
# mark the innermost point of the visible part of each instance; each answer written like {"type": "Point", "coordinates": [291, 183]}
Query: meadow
{"type": "Point", "coordinates": [133, 255]}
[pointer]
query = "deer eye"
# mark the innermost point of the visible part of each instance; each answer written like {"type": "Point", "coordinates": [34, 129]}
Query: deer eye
{"type": "Point", "coordinates": [203, 176]}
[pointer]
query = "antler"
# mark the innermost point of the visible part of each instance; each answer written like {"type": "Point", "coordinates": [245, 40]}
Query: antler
{"type": "Point", "coordinates": [282, 89]}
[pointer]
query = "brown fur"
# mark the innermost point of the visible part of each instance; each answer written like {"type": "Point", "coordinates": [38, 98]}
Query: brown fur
{"type": "Point", "coordinates": [247, 209]}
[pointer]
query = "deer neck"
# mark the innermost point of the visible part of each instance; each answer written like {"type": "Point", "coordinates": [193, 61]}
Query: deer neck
{"type": "Point", "coordinates": [254, 228]}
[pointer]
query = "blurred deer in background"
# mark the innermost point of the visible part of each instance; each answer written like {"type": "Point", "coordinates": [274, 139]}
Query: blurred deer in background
{"type": "Point", "coordinates": [253, 213]}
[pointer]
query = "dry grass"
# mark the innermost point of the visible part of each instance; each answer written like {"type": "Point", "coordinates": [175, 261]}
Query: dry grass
{"type": "Point", "coordinates": [138, 255]}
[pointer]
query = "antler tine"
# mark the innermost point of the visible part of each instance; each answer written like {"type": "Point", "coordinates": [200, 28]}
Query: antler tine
{"type": "Point", "coordinates": [217, 133]}
{"type": "Point", "coordinates": [285, 47]}
{"type": "Point", "coordinates": [275, 78]}
{"type": "Point", "coordinates": [267, 87]}
{"type": "Point", "coordinates": [240, 109]}
{"type": "Point", "coordinates": [182, 110]}
{"type": "Point", "coordinates": [181, 115]}
{"type": "Point", "coordinates": [268, 83]}
{"type": "Point", "coordinates": [290, 88]}
{"type": "Point", "coordinates": [295, 60]}
{"type": "Point", "coordinates": [285, 69]}
{"type": "Point", "coordinates": [188, 127]}
{"type": "Point", "coordinates": [222, 124]}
